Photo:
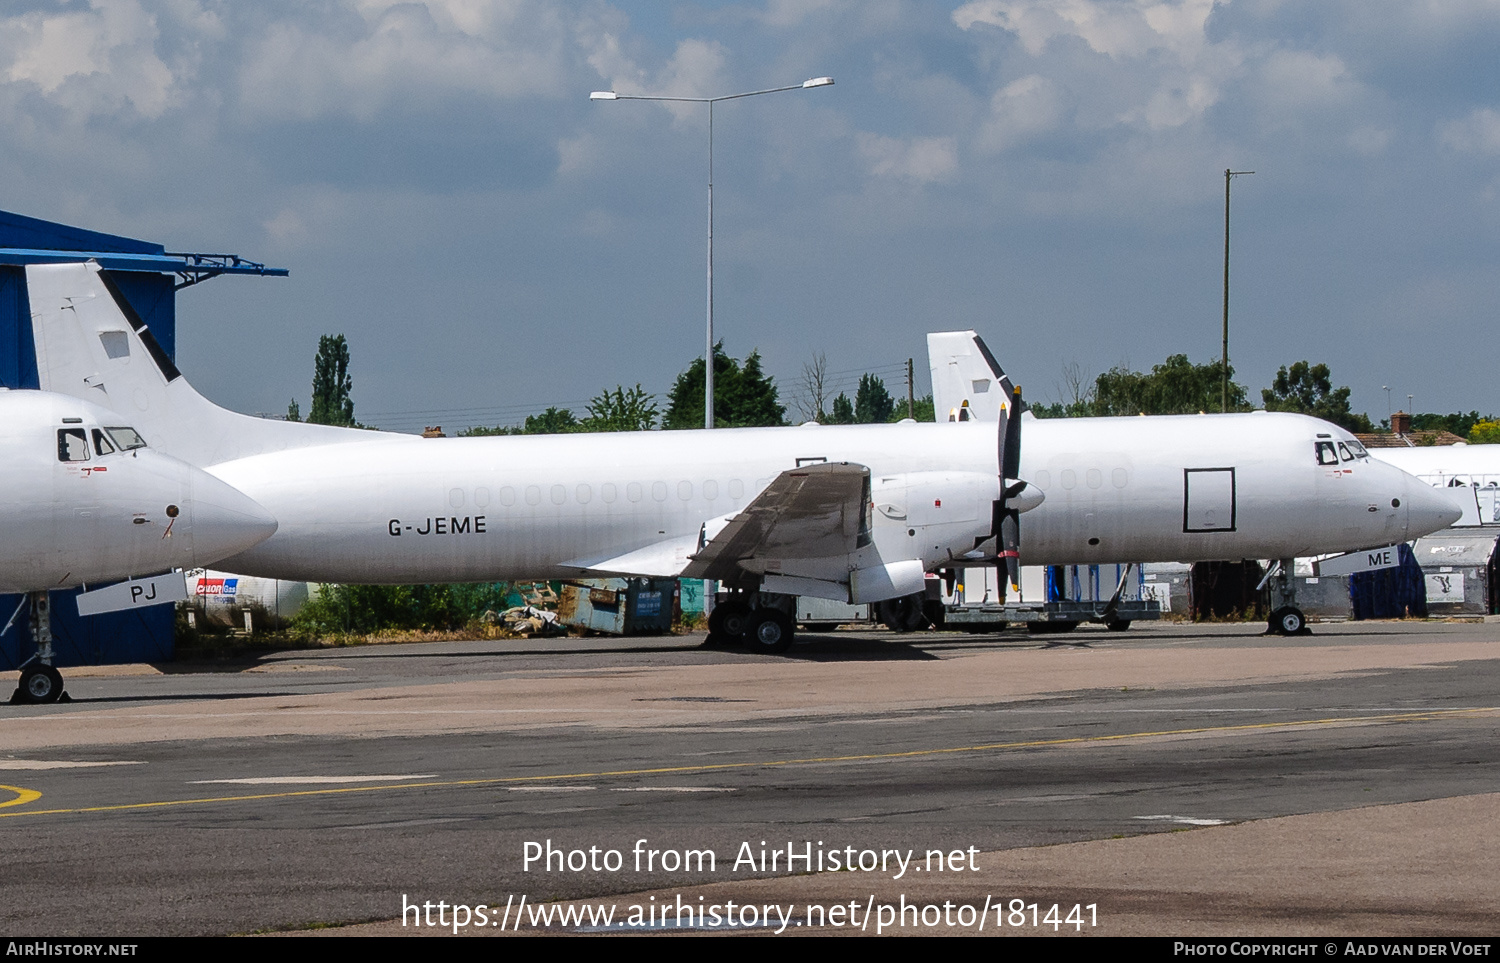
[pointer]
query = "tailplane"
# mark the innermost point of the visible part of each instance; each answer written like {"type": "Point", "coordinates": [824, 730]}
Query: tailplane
{"type": "Point", "coordinates": [91, 344]}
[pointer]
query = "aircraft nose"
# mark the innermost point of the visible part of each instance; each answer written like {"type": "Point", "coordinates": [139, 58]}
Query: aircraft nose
{"type": "Point", "coordinates": [1428, 509]}
{"type": "Point", "coordinates": [225, 521]}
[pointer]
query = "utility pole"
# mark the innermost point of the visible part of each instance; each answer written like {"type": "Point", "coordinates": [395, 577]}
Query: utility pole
{"type": "Point", "coordinates": [911, 392]}
{"type": "Point", "coordinates": [1228, 175]}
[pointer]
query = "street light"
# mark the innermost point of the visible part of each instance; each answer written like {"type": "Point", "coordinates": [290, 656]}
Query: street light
{"type": "Point", "coordinates": [1228, 175]}
{"type": "Point", "coordinates": [708, 357]}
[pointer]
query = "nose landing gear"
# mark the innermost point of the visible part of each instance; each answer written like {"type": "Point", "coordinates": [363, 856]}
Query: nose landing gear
{"type": "Point", "coordinates": [40, 682]}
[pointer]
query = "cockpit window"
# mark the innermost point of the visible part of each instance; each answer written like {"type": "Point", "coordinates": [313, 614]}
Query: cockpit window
{"type": "Point", "coordinates": [72, 445]}
{"type": "Point", "coordinates": [126, 439]}
{"type": "Point", "coordinates": [101, 443]}
{"type": "Point", "coordinates": [1358, 449]}
{"type": "Point", "coordinates": [1326, 454]}
{"type": "Point", "coordinates": [1344, 453]}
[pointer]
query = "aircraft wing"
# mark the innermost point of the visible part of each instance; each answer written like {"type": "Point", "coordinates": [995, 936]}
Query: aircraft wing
{"type": "Point", "coordinates": [816, 511]}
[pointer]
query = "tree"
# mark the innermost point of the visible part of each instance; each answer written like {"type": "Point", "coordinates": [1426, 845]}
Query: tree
{"type": "Point", "coordinates": [621, 410]}
{"type": "Point", "coordinates": [1308, 389]}
{"type": "Point", "coordinates": [872, 403]}
{"type": "Point", "coordinates": [331, 404]}
{"type": "Point", "coordinates": [743, 397]}
{"type": "Point", "coordinates": [843, 410]}
{"type": "Point", "coordinates": [921, 411]}
{"type": "Point", "coordinates": [293, 411]}
{"type": "Point", "coordinates": [812, 389]}
{"type": "Point", "coordinates": [553, 421]}
{"type": "Point", "coordinates": [1174, 387]}
{"type": "Point", "coordinates": [1485, 433]}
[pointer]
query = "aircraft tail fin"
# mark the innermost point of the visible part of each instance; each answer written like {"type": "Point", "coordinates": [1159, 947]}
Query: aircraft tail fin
{"type": "Point", "coordinates": [968, 384]}
{"type": "Point", "coordinates": [91, 344]}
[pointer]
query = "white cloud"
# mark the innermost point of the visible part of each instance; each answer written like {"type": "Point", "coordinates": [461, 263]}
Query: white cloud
{"type": "Point", "coordinates": [90, 61]}
{"type": "Point", "coordinates": [1020, 111]}
{"type": "Point", "coordinates": [359, 64]}
{"type": "Point", "coordinates": [1131, 28]}
{"type": "Point", "coordinates": [921, 159]}
{"type": "Point", "coordinates": [1478, 133]}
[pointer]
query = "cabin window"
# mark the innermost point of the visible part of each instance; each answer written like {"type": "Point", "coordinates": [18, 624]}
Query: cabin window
{"type": "Point", "coordinates": [584, 493]}
{"type": "Point", "coordinates": [710, 489]}
{"type": "Point", "coordinates": [736, 488]}
{"type": "Point", "coordinates": [533, 495]}
{"type": "Point", "coordinates": [608, 493]}
{"type": "Point", "coordinates": [507, 496]}
{"type": "Point", "coordinates": [72, 445]}
{"type": "Point", "coordinates": [559, 494]}
{"type": "Point", "coordinates": [1326, 454]}
{"type": "Point", "coordinates": [1095, 477]}
{"type": "Point", "coordinates": [456, 498]}
{"type": "Point", "coordinates": [633, 491]}
{"type": "Point", "coordinates": [685, 490]}
{"type": "Point", "coordinates": [101, 443]}
{"type": "Point", "coordinates": [659, 491]}
{"type": "Point", "coordinates": [481, 497]}
{"type": "Point", "coordinates": [1120, 477]}
{"type": "Point", "coordinates": [1068, 477]}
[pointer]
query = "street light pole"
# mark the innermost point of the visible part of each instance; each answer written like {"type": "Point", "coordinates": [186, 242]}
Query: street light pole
{"type": "Point", "coordinates": [708, 355]}
{"type": "Point", "coordinates": [1228, 174]}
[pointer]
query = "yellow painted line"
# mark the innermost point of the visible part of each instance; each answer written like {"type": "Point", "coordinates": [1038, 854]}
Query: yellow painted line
{"type": "Point", "coordinates": [23, 796]}
{"type": "Point", "coordinates": [1425, 716]}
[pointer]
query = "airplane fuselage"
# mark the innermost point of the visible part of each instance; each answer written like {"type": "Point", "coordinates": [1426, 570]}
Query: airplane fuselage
{"type": "Point", "coordinates": [1116, 490]}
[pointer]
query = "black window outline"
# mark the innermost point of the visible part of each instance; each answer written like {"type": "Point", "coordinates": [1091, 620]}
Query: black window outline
{"type": "Point", "coordinates": [1234, 500]}
{"type": "Point", "coordinates": [63, 448]}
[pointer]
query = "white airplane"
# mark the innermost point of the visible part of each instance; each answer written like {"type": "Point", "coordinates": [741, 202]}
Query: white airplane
{"type": "Point", "coordinates": [858, 513]}
{"type": "Point", "coordinates": [84, 499]}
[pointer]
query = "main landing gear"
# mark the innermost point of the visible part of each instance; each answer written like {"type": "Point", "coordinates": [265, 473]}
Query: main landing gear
{"type": "Point", "coordinates": [40, 682]}
{"type": "Point", "coordinates": [761, 625]}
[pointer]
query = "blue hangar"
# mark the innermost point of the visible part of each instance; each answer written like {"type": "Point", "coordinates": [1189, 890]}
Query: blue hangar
{"type": "Point", "coordinates": [149, 276]}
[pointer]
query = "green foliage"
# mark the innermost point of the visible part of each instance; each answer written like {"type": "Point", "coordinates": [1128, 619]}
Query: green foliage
{"type": "Point", "coordinates": [1458, 422]}
{"type": "Point", "coordinates": [1174, 387]}
{"type": "Point", "coordinates": [293, 411]}
{"type": "Point", "coordinates": [872, 403]}
{"type": "Point", "coordinates": [843, 411]}
{"type": "Point", "coordinates": [743, 395]}
{"type": "Point", "coordinates": [331, 404]}
{"type": "Point", "coordinates": [621, 410]}
{"type": "Point", "coordinates": [1485, 432]}
{"type": "Point", "coordinates": [480, 431]}
{"type": "Point", "coordinates": [922, 410]}
{"type": "Point", "coordinates": [362, 609]}
{"type": "Point", "coordinates": [1308, 389]}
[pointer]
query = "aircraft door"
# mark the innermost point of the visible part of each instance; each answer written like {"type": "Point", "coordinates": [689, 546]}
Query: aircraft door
{"type": "Point", "coordinates": [1208, 500]}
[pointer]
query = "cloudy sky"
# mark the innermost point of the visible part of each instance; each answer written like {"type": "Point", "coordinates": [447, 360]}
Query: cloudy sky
{"type": "Point", "coordinates": [1049, 172]}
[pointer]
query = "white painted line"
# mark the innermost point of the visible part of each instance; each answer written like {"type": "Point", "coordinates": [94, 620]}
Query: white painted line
{"type": "Point", "coordinates": [33, 764]}
{"type": "Point", "coordinates": [552, 788]}
{"type": "Point", "coordinates": [676, 789]}
{"type": "Point", "coordinates": [308, 780]}
{"type": "Point", "coordinates": [1187, 820]}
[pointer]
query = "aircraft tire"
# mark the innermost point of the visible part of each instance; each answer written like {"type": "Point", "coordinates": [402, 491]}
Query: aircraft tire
{"type": "Point", "coordinates": [730, 621]}
{"type": "Point", "coordinates": [770, 631]}
{"type": "Point", "coordinates": [1288, 621]}
{"type": "Point", "coordinates": [40, 685]}
{"type": "Point", "coordinates": [1117, 625]}
{"type": "Point", "coordinates": [903, 614]}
